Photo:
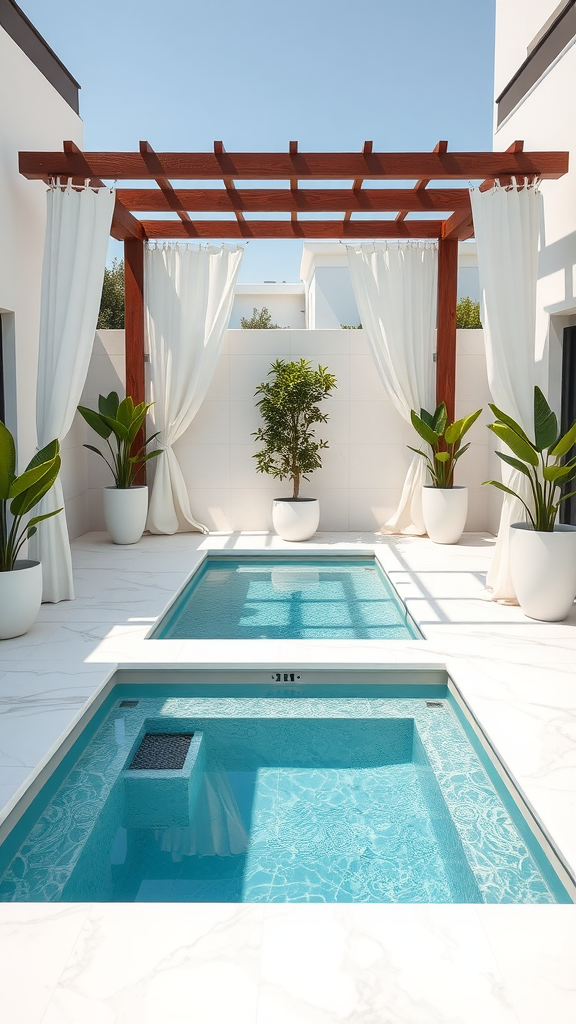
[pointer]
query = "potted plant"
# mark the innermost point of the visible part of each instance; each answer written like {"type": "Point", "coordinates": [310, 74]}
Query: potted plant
{"type": "Point", "coordinates": [21, 578]}
{"type": "Point", "coordinates": [444, 505]}
{"type": "Point", "coordinates": [125, 503]}
{"type": "Point", "coordinates": [542, 552]}
{"type": "Point", "coordinates": [289, 407]}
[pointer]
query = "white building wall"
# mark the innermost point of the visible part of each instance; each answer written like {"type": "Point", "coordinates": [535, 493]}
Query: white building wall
{"type": "Point", "coordinates": [285, 303]}
{"type": "Point", "coordinates": [545, 121]}
{"type": "Point", "coordinates": [33, 116]}
{"type": "Point", "coordinates": [363, 470]}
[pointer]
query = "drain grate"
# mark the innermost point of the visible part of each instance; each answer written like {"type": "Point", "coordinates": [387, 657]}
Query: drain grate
{"type": "Point", "coordinates": [434, 704]}
{"type": "Point", "coordinates": [162, 751]}
{"type": "Point", "coordinates": [128, 704]}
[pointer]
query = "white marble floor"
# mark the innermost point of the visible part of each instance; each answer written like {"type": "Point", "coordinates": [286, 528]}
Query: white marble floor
{"type": "Point", "coordinates": [366, 964]}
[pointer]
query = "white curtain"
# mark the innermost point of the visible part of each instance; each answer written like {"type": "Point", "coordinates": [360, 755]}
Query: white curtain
{"type": "Point", "coordinates": [189, 293]}
{"type": "Point", "coordinates": [395, 289]}
{"type": "Point", "coordinates": [77, 234]}
{"type": "Point", "coordinates": [506, 228]}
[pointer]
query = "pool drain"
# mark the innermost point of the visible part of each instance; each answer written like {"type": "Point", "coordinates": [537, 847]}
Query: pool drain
{"type": "Point", "coordinates": [161, 751]}
{"type": "Point", "coordinates": [434, 704]}
{"type": "Point", "coordinates": [128, 704]}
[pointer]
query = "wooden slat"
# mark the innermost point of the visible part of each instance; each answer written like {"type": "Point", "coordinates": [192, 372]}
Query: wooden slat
{"type": "Point", "coordinates": [305, 229]}
{"type": "Point", "coordinates": [235, 201]}
{"type": "Point", "coordinates": [440, 147]}
{"type": "Point", "coordinates": [154, 165]}
{"type": "Point", "coordinates": [446, 324]}
{"type": "Point", "coordinates": [324, 166]}
{"type": "Point", "coordinates": [307, 200]}
{"type": "Point", "coordinates": [293, 149]}
{"type": "Point", "coordinates": [357, 184]}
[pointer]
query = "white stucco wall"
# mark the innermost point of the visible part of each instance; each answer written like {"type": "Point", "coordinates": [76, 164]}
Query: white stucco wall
{"type": "Point", "coordinates": [363, 470]}
{"type": "Point", "coordinates": [33, 116]}
{"type": "Point", "coordinates": [285, 303]}
{"type": "Point", "coordinates": [545, 121]}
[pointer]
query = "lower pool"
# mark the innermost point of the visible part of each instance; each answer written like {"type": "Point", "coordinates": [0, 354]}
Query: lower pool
{"type": "Point", "coordinates": [247, 794]}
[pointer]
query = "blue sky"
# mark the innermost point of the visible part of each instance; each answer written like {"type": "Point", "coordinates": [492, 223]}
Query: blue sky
{"type": "Point", "coordinates": [258, 73]}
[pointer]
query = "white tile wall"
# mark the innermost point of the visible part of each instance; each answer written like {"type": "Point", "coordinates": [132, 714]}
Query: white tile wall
{"type": "Point", "coordinates": [363, 469]}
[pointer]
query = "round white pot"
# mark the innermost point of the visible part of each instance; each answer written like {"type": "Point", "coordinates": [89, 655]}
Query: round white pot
{"type": "Point", "coordinates": [543, 570]}
{"type": "Point", "coordinates": [295, 519]}
{"type": "Point", "coordinates": [125, 511]}
{"type": "Point", "coordinates": [20, 597]}
{"type": "Point", "coordinates": [444, 512]}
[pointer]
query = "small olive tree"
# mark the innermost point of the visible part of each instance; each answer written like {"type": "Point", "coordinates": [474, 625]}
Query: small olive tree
{"type": "Point", "coordinates": [289, 407]}
{"type": "Point", "coordinates": [111, 315]}
{"type": "Point", "coordinates": [468, 314]}
{"type": "Point", "coordinates": [261, 320]}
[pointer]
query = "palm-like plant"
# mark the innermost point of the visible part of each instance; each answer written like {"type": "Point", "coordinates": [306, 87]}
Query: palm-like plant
{"type": "Point", "coordinates": [444, 439]}
{"type": "Point", "coordinates": [123, 419]}
{"type": "Point", "coordinates": [542, 460]}
{"type": "Point", "coordinates": [20, 494]}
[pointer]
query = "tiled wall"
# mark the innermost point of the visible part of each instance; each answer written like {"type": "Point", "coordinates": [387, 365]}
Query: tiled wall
{"type": "Point", "coordinates": [363, 470]}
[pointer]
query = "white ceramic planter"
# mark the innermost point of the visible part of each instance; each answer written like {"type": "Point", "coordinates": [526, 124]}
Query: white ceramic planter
{"type": "Point", "coordinates": [295, 519]}
{"type": "Point", "coordinates": [444, 512]}
{"type": "Point", "coordinates": [543, 570]}
{"type": "Point", "coordinates": [125, 511]}
{"type": "Point", "coordinates": [20, 598]}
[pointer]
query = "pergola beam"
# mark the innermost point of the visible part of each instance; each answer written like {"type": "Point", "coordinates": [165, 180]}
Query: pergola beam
{"type": "Point", "coordinates": [302, 229]}
{"type": "Point", "coordinates": [284, 166]}
{"type": "Point", "coordinates": [307, 200]}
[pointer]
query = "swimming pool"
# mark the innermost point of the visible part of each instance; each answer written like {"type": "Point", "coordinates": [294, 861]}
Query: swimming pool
{"type": "Point", "coordinates": [255, 793]}
{"type": "Point", "coordinates": [288, 597]}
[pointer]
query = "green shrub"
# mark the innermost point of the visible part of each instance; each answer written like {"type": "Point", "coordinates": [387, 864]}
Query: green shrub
{"type": "Point", "coordinates": [111, 315]}
{"type": "Point", "coordinates": [261, 320]}
{"type": "Point", "coordinates": [468, 314]}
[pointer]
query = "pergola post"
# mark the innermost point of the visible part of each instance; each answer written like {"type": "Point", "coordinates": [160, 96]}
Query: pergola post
{"type": "Point", "coordinates": [134, 328]}
{"type": "Point", "coordinates": [446, 323]}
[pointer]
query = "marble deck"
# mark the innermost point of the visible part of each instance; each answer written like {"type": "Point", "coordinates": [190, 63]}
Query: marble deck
{"type": "Point", "coordinates": [288, 964]}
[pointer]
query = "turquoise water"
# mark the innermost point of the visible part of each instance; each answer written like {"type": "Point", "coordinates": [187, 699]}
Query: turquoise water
{"type": "Point", "coordinates": [312, 794]}
{"type": "Point", "coordinates": [288, 598]}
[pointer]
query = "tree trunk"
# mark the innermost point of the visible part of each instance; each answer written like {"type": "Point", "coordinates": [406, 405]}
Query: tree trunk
{"type": "Point", "coordinates": [296, 482]}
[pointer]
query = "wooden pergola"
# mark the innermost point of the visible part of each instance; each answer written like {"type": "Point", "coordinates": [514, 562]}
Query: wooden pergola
{"type": "Point", "coordinates": [448, 216]}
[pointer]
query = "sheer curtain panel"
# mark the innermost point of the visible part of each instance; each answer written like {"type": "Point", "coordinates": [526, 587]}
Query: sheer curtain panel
{"type": "Point", "coordinates": [395, 289]}
{"type": "Point", "coordinates": [189, 293]}
{"type": "Point", "coordinates": [506, 228]}
{"type": "Point", "coordinates": [77, 234]}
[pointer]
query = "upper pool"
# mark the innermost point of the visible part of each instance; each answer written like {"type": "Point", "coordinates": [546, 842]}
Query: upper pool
{"type": "Point", "coordinates": [288, 597]}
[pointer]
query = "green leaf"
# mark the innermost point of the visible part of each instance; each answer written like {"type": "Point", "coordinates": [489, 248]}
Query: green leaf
{"type": "Point", "coordinates": [125, 412]}
{"type": "Point", "coordinates": [509, 422]}
{"type": "Point", "coordinates": [428, 418]}
{"type": "Point", "coordinates": [522, 448]}
{"type": "Point", "coordinates": [26, 501]}
{"type": "Point", "coordinates": [565, 497]}
{"type": "Point", "coordinates": [148, 455]}
{"type": "Point", "coordinates": [440, 419]}
{"type": "Point", "coordinates": [423, 429]}
{"type": "Point", "coordinates": [442, 457]}
{"type": "Point", "coordinates": [461, 451]}
{"type": "Point", "coordinates": [545, 422]}
{"type": "Point", "coordinates": [108, 406]}
{"type": "Point", "coordinates": [7, 460]}
{"type": "Point", "coordinates": [501, 487]}
{"type": "Point", "coordinates": [565, 443]}
{"type": "Point", "coordinates": [515, 463]}
{"type": "Point", "coordinates": [116, 427]}
{"type": "Point", "coordinates": [40, 519]}
{"type": "Point", "coordinates": [559, 474]}
{"type": "Point", "coordinates": [96, 421]}
{"type": "Point", "coordinates": [46, 454]}
{"type": "Point", "coordinates": [29, 478]}
{"type": "Point", "coordinates": [457, 430]}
